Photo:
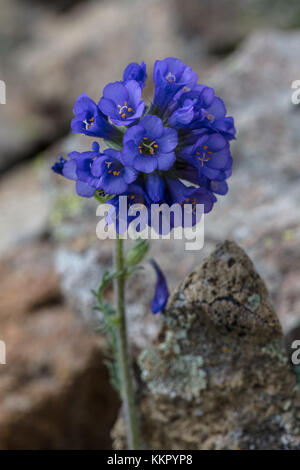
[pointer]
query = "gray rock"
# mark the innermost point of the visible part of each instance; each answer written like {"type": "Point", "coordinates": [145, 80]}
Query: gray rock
{"type": "Point", "coordinates": [219, 378]}
{"type": "Point", "coordinates": [261, 210]}
{"type": "Point", "coordinates": [222, 25]}
{"type": "Point", "coordinates": [24, 206]}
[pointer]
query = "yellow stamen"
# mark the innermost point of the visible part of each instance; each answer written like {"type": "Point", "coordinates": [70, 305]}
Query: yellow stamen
{"type": "Point", "coordinates": [170, 77]}
{"type": "Point", "coordinates": [89, 123]}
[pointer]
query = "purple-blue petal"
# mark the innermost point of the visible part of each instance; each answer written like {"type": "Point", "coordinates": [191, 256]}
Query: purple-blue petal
{"type": "Point", "coordinates": [153, 126]}
{"type": "Point", "coordinates": [216, 142]}
{"type": "Point", "coordinates": [113, 184]}
{"type": "Point", "coordinates": [219, 187]}
{"type": "Point", "coordinates": [155, 188]}
{"type": "Point", "coordinates": [97, 166]}
{"type": "Point", "coordinates": [165, 161]}
{"type": "Point", "coordinates": [108, 107]}
{"type": "Point", "coordinates": [130, 174]}
{"type": "Point", "coordinates": [161, 294]}
{"type": "Point", "coordinates": [217, 108]}
{"type": "Point", "coordinates": [145, 164]}
{"type": "Point", "coordinates": [69, 170]}
{"type": "Point", "coordinates": [219, 159]}
{"type": "Point", "coordinates": [168, 141]}
{"type": "Point", "coordinates": [84, 103]}
{"type": "Point", "coordinates": [84, 189]}
{"type": "Point", "coordinates": [134, 92]}
{"type": "Point", "coordinates": [135, 133]}
{"type": "Point", "coordinates": [116, 92]}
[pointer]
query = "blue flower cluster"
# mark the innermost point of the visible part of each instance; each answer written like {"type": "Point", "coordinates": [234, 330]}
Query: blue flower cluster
{"type": "Point", "coordinates": [174, 150]}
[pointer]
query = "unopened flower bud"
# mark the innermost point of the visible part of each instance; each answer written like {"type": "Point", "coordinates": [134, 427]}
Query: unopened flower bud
{"type": "Point", "coordinates": [136, 253]}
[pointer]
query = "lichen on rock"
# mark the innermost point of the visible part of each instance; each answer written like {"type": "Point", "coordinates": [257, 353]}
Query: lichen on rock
{"type": "Point", "coordinates": [184, 376]}
{"type": "Point", "coordinates": [217, 377]}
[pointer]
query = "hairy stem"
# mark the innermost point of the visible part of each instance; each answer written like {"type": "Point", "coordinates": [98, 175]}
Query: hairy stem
{"type": "Point", "coordinates": [124, 362]}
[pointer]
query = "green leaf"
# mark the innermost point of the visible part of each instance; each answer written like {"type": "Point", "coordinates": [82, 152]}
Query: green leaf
{"type": "Point", "coordinates": [106, 279]}
{"type": "Point", "coordinates": [131, 270]}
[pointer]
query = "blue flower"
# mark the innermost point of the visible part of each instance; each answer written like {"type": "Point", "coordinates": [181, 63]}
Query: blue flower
{"type": "Point", "coordinates": [136, 72]}
{"type": "Point", "coordinates": [122, 103]}
{"type": "Point", "coordinates": [149, 145]}
{"type": "Point", "coordinates": [209, 112]}
{"type": "Point", "coordinates": [184, 137]}
{"type": "Point", "coordinates": [135, 194]}
{"type": "Point", "coordinates": [113, 176]}
{"type": "Point", "coordinates": [161, 294]}
{"type": "Point", "coordinates": [183, 115]}
{"type": "Point", "coordinates": [210, 155]}
{"type": "Point", "coordinates": [78, 168]}
{"type": "Point", "coordinates": [163, 220]}
{"type": "Point", "coordinates": [178, 193]}
{"type": "Point", "coordinates": [217, 186]}
{"type": "Point", "coordinates": [170, 76]}
{"type": "Point", "coordinates": [89, 120]}
{"type": "Point", "coordinates": [58, 166]}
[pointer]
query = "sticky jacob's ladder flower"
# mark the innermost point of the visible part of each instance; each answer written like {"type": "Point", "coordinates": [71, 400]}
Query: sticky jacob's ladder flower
{"type": "Point", "coordinates": [175, 149]}
{"type": "Point", "coordinates": [182, 138]}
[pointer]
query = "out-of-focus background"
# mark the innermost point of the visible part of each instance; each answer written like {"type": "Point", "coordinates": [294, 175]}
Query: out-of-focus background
{"type": "Point", "coordinates": [54, 388]}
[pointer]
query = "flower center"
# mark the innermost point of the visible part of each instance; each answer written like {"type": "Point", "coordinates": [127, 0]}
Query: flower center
{"type": "Point", "coordinates": [114, 168]}
{"type": "Point", "coordinates": [124, 110]}
{"type": "Point", "coordinates": [148, 147]}
{"type": "Point", "coordinates": [135, 198]}
{"type": "Point", "coordinates": [203, 156]}
{"type": "Point", "coordinates": [193, 203]}
{"type": "Point", "coordinates": [89, 122]}
{"type": "Point", "coordinates": [171, 78]}
{"type": "Point", "coordinates": [209, 116]}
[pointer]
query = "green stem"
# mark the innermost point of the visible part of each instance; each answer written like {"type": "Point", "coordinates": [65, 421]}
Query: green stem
{"type": "Point", "coordinates": [127, 391]}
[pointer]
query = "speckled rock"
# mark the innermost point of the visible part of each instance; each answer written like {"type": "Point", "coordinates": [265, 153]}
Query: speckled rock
{"type": "Point", "coordinates": [218, 377]}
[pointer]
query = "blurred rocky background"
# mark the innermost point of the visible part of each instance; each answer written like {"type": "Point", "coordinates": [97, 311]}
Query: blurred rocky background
{"type": "Point", "coordinates": [54, 389]}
